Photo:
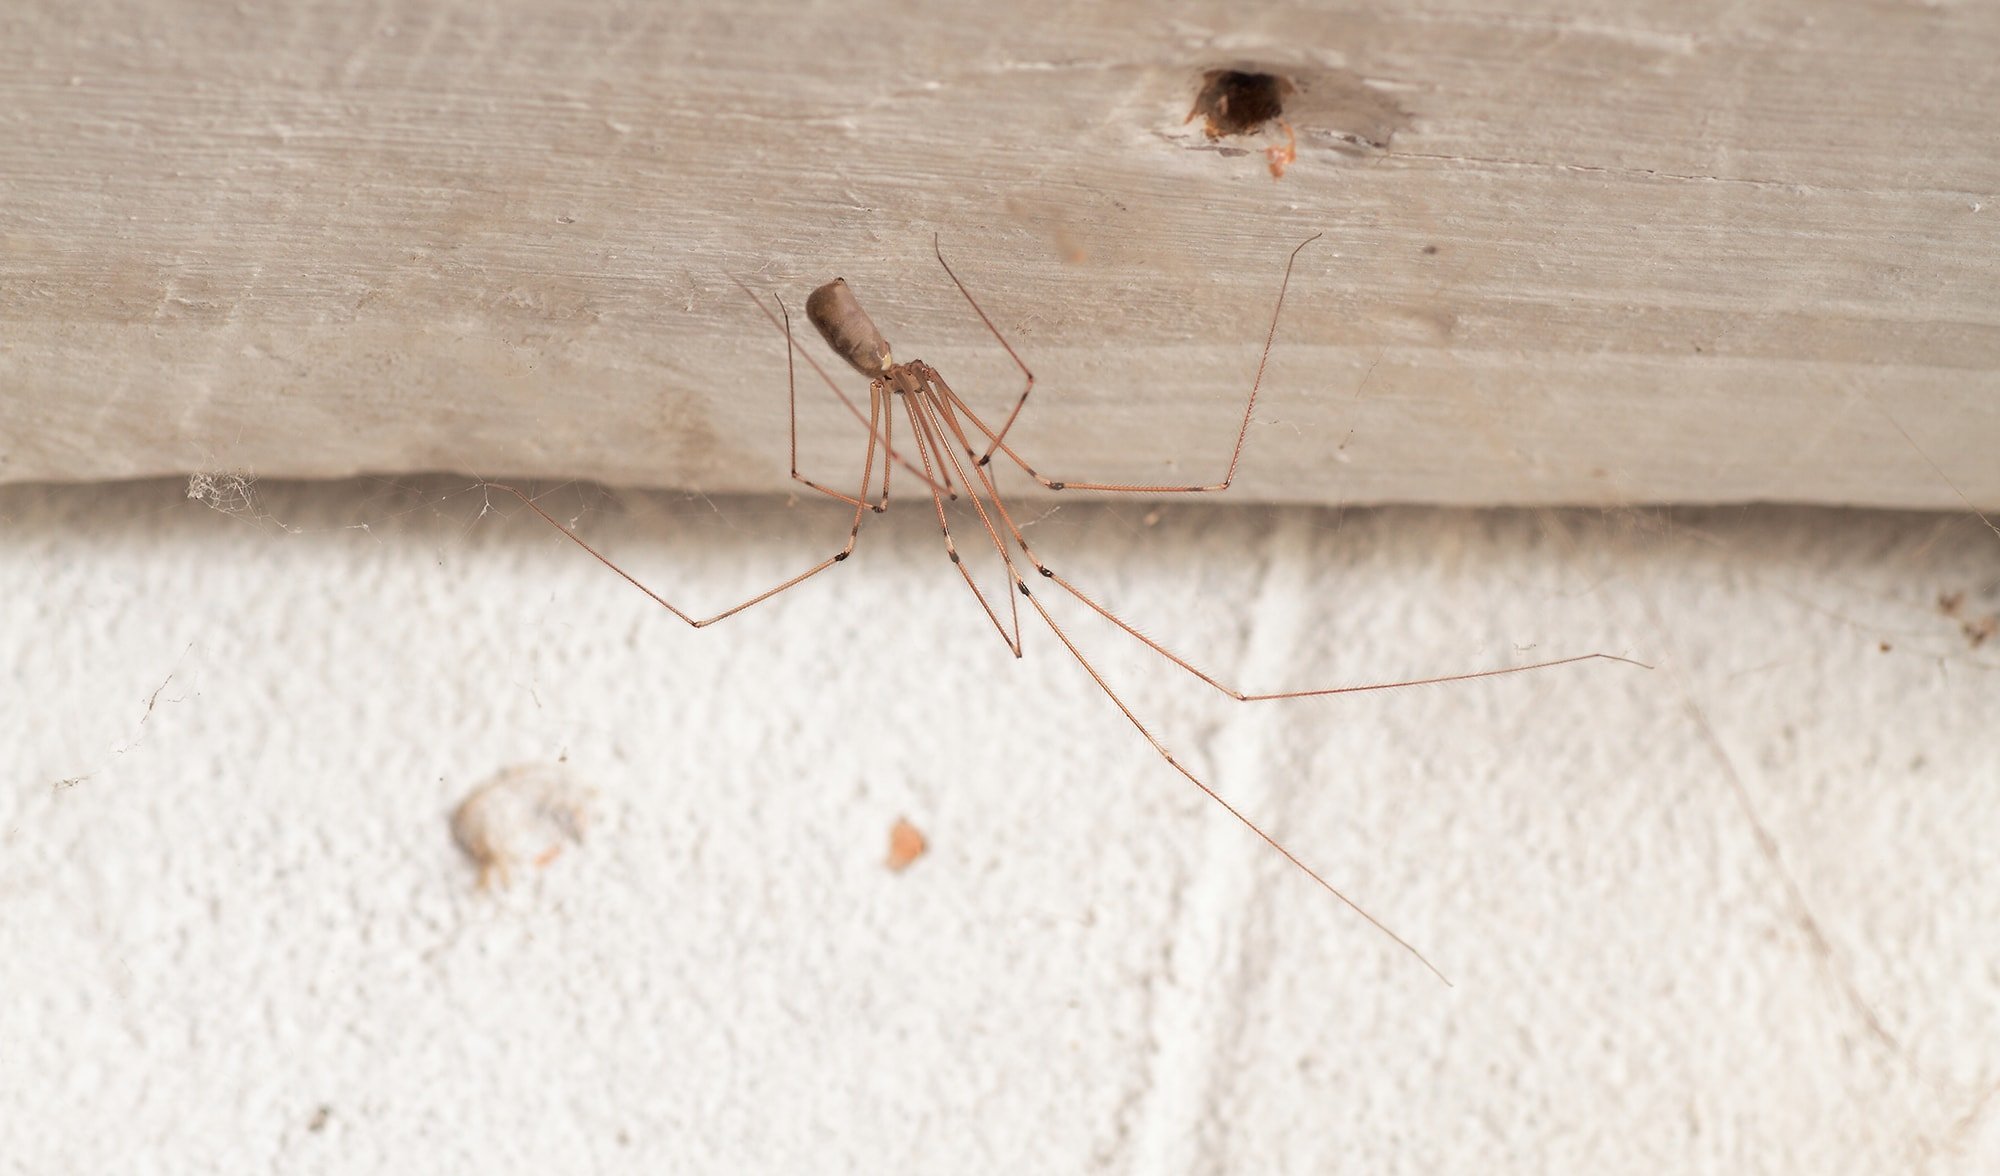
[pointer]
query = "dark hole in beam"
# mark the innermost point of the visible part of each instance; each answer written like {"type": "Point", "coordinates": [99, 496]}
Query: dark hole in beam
{"type": "Point", "coordinates": [1236, 101]}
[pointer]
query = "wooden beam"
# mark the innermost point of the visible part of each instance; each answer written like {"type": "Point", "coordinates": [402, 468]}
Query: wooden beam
{"type": "Point", "coordinates": [1574, 252]}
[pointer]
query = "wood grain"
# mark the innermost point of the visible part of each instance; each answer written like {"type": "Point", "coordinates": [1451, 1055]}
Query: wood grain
{"type": "Point", "coordinates": [1574, 252]}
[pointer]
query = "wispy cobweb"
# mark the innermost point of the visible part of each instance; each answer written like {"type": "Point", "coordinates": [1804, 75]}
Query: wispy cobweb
{"type": "Point", "coordinates": [225, 491]}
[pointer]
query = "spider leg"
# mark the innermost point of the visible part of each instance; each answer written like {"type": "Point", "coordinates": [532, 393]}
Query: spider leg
{"type": "Point", "coordinates": [998, 442]}
{"type": "Point", "coordinates": [861, 510]}
{"type": "Point", "coordinates": [995, 438]}
{"type": "Point", "coordinates": [1197, 781]}
{"type": "Point", "coordinates": [927, 441]}
{"type": "Point", "coordinates": [950, 418]}
{"type": "Point", "coordinates": [949, 402]}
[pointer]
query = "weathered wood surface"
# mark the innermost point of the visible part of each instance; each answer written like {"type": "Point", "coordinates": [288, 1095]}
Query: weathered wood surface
{"type": "Point", "coordinates": [1574, 252]}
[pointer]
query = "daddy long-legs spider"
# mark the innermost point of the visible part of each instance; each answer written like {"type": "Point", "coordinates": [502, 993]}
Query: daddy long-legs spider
{"type": "Point", "coordinates": [942, 426]}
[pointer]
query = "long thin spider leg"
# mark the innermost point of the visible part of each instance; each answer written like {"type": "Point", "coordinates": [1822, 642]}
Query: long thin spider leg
{"type": "Point", "coordinates": [928, 406]}
{"type": "Point", "coordinates": [1000, 436]}
{"type": "Point", "coordinates": [951, 545]}
{"type": "Point", "coordinates": [1935, 467]}
{"type": "Point", "coordinates": [792, 345]}
{"type": "Point", "coordinates": [921, 416]}
{"type": "Point", "coordinates": [1233, 811]}
{"type": "Point", "coordinates": [1321, 692]}
{"type": "Point", "coordinates": [1242, 431]}
{"type": "Point", "coordinates": [1007, 519]}
{"type": "Point", "coordinates": [875, 409]}
{"type": "Point", "coordinates": [888, 435]}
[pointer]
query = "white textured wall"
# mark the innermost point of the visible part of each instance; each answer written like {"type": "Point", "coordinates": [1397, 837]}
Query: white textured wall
{"type": "Point", "coordinates": [246, 907]}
